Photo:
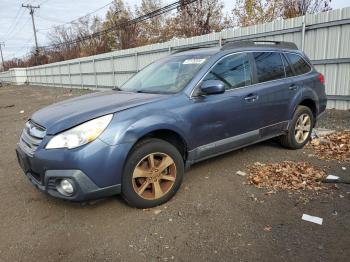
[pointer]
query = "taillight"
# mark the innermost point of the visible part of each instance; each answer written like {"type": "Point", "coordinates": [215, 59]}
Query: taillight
{"type": "Point", "coordinates": [321, 78]}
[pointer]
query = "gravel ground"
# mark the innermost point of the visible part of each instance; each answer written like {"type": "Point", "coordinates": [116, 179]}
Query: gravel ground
{"type": "Point", "coordinates": [335, 119]}
{"type": "Point", "coordinates": [214, 216]}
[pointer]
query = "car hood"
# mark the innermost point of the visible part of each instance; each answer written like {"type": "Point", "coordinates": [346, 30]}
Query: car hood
{"type": "Point", "coordinates": [66, 114]}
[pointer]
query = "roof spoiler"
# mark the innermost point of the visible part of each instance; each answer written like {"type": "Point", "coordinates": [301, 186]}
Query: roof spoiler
{"type": "Point", "coordinates": [259, 43]}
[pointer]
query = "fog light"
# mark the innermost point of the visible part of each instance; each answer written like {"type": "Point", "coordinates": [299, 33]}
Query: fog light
{"type": "Point", "coordinates": [65, 187]}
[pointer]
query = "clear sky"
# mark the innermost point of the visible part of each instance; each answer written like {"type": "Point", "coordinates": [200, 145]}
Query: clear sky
{"type": "Point", "coordinates": [16, 28]}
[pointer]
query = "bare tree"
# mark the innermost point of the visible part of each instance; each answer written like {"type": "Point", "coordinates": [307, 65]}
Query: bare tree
{"type": "Point", "coordinates": [124, 35]}
{"type": "Point", "coordinates": [93, 45]}
{"type": "Point", "coordinates": [198, 18]}
{"type": "Point", "coordinates": [59, 39]}
{"type": "Point", "coordinates": [155, 29]}
{"type": "Point", "coordinates": [73, 41]}
{"type": "Point", "coordinates": [294, 8]}
{"type": "Point", "coordinates": [251, 12]}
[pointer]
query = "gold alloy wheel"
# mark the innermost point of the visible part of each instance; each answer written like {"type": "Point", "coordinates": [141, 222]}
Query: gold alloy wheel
{"type": "Point", "coordinates": [154, 176]}
{"type": "Point", "coordinates": [302, 128]}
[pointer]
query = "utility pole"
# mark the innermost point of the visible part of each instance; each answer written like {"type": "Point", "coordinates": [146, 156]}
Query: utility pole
{"type": "Point", "coordinates": [2, 58]}
{"type": "Point", "coordinates": [303, 7]}
{"type": "Point", "coordinates": [31, 12]}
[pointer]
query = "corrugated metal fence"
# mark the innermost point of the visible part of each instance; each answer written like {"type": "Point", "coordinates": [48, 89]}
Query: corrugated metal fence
{"type": "Point", "coordinates": [324, 37]}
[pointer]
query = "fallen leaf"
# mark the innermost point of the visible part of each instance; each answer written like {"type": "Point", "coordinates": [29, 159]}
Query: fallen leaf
{"type": "Point", "coordinates": [157, 211]}
{"type": "Point", "coordinates": [333, 146]}
{"type": "Point", "coordinates": [286, 175]}
{"type": "Point", "coordinates": [267, 228]}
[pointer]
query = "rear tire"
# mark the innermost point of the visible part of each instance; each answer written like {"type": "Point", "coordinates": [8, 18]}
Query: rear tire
{"type": "Point", "coordinates": [299, 130]}
{"type": "Point", "coordinates": [153, 173]}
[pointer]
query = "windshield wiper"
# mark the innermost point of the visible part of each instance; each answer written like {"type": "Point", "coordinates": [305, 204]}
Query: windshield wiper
{"type": "Point", "coordinates": [143, 91]}
{"type": "Point", "coordinates": [149, 92]}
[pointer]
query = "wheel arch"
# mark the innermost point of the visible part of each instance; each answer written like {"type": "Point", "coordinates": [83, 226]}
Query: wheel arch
{"type": "Point", "coordinates": [167, 134]}
{"type": "Point", "coordinates": [310, 103]}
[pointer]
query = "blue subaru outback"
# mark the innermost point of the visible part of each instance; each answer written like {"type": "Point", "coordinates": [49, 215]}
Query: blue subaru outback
{"type": "Point", "coordinates": [137, 140]}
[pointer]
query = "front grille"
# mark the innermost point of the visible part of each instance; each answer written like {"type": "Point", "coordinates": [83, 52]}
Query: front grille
{"type": "Point", "coordinates": [31, 137]}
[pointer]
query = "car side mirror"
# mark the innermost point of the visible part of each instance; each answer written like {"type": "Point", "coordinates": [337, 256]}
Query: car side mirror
{"type": "Point", "coordinates": [212, 87]}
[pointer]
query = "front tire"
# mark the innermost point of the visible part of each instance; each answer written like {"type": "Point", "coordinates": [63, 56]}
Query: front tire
{"type": "Point", "coordinates": [153, 173]}
{"type": "Point", "coordinates": [300, 128]}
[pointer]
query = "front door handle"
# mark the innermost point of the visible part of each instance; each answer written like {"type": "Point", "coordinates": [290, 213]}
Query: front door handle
{"type": "Point", "coordinates": [251, 98]}
{"type": "Point", "coordinates": [293, 87]}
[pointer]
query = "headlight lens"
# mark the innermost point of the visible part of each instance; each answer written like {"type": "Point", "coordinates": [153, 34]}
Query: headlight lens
{"type": "Point", "coordinates": [80, 135]}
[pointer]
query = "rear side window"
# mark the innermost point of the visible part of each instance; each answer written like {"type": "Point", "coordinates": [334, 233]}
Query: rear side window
{"type": "Point", "coordinates": [298, 63]}
{"type": "Point", "coordinates": [269, 66]}
{"type": "Point", "coordinates": [234, 71]}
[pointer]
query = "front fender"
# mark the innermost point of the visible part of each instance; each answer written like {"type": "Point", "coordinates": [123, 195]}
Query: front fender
{"type": "Point", "coordinates": [131, 130]}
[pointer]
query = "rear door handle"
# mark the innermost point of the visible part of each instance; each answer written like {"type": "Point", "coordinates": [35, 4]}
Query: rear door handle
{"type": "Point", "coordinates": [251, 98]}
{"type": "Point", "coordinates": [293, 87]}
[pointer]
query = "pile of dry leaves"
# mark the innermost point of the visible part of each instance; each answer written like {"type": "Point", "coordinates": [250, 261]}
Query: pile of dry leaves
{"type": "Point", "coordinates": [286, 175]}
{"type": "Point", "coordinates": [334, 146]}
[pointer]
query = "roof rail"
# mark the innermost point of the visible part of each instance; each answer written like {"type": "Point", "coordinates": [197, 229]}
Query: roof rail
{"type": "Point", "coordinates": [189, 48]}
{"type": "Point", "coordinates": [259, 43]}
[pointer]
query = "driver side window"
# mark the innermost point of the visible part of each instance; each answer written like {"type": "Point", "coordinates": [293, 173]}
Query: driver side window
{"type": "Point", "coordinates": [234, 71]}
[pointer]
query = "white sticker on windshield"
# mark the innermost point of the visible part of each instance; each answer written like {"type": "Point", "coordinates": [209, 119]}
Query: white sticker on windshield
{"type": "Point", "coordinates": [193, 61]}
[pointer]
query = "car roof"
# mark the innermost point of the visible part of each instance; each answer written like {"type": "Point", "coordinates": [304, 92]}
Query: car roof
{"type": "Point", "coordinates": [241, 46]}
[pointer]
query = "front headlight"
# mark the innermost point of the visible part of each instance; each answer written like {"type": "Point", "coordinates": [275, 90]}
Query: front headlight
{"type": "Point", "coordinates": [81, 134]}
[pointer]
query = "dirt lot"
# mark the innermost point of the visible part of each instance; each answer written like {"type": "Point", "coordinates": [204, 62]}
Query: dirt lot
{"type": "Point", "coordinates": [213, 217]}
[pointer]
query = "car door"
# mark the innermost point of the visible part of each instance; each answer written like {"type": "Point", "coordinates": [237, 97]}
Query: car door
{"type": "Point", "coordinates": [224, 121]}
{"type": "Point", "coordinates": [297, 69]}
{"type": "Point", "coordinates": [273, 90]}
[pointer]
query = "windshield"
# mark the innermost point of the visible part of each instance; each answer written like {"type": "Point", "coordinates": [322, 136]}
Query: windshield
{"type": "Point", "coordinates": [168, 75]}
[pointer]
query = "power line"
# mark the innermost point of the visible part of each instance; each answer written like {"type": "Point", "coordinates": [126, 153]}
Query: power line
{"type": "Point", "coordinates": [144, 17]}
{"type": "Point", "coordinates": [15, 33]}
{"type": "Point", "coordinates": [16, 20]}
{"type": "Point", "coordinates": [11, 32]}
{"type": "Point", "coordinates": [77, 19]}
{"type": "Point", "coordinates": [55, 20]}
{"type": "Point", "coordinates": [27, 41]}
{"type": "Point", "coordinates": [13, 26]}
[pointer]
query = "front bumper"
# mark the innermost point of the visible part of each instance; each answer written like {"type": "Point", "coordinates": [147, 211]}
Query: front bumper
{"type": "Point", "coordinates": [46, 169]}
{"type": "Point", "coordinates": [85, 189]}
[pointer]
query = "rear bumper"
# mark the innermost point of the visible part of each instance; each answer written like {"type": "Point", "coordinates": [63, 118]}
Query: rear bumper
{"type": "Point", "coordinates": [321, 108]}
